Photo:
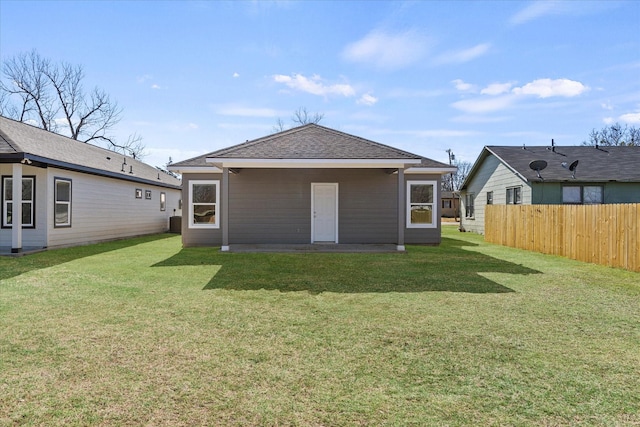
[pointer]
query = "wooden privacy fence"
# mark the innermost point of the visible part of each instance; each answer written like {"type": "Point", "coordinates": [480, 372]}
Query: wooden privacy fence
{"type": "Point", "coordinates": [601, 234]}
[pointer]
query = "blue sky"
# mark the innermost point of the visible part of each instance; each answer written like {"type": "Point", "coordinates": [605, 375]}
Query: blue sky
{"type": "Point", "coordinates": [424, 76]}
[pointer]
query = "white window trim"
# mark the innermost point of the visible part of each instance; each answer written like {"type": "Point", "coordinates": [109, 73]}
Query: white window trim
{"type": "Point", "coordinates": [32, 202]}
{"type": "Point", "coordinates": [216, 224]}
{"type": "Point", "coordinates": [434, 205]}
{"type": "Point", "coordinates": [58, 202]}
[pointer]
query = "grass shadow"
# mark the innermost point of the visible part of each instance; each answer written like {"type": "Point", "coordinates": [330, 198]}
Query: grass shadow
{"type": "Point", "coordinates": [448, 267]}
{"type": "Point", "coordinates": [15, 266]}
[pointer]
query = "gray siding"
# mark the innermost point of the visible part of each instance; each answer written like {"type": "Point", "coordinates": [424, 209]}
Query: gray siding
{"type": "Point", "coordinates": [270, 206]}
{"type": "Point", "coordinates": [494, 176]}
{"type": "Point", "coordinates": [274, 205]}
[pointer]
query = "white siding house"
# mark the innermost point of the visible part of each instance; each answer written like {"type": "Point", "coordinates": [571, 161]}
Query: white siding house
{"type": "Point", "coordinates": [76, 193]}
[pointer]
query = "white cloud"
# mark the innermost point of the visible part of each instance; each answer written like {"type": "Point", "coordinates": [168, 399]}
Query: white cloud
{"type": "Point", "coordinates": [630, 118]}
{"type": "Point", "coordinates": [367, 99]}
{"type": "Point", "coordinates": [546, 88]}
{"type": "Point", "coordinates": [236, 75]}
{"type": "Point", "coordinates": [387, 50]}
{"type": "Point", "coordinates": [541, 8]}
{"type": "Point", "coordinates": [314, 85]}
{"type": "Point", "coordinates": [496, 89]}
{"type": "Point", "coordinates": [606, 106]}
{"type": "Point", "coordinates": [154, 86]}
{"type": "Point", "coordinates": [608, 120]}
{"type": "Point", "coordinates": [462, 86]}
{"type": "Point", "coordinates": [462, 56]}
{"type": "Point", "coordinates": [536, 10]}
{"type": "Point", "coordinates": [484, 105]}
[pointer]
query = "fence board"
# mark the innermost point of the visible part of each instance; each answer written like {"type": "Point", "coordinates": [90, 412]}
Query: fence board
{"type": "Point", "coordinates": [601, 234]}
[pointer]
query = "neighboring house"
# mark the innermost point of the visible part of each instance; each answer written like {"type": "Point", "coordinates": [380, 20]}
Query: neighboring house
{"type": "Point", "coordinates": [310, 184]}
{"type": "Point", "coordinates": [450, 204]}
{"type": "Point", "coordinates": [548, 175]}
{"type": "Point", "coordinates": [76, 193]}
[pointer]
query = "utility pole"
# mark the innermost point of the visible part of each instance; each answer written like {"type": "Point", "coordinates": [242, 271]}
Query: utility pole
{"type": "Point", "coordinates": [452, 157]}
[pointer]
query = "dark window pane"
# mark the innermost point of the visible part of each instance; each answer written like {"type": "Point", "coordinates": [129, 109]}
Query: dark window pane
{"type": "Point", "coordinates": [422, 194]}
{"type": "Point", "coordinates": [592, 195]}
{"type": "Point", "coordinates": [204, 193]}
{"type": "Point", "coordinates": [26, 214]}
{"type": "Point", "coordinates": [63, 191]}
{"type": "Point", "coordinates": [571, 194]}
{"type": "Point", "coordinates": [27, 189]}
{"type": "Point", "coordinates": [8, 189]}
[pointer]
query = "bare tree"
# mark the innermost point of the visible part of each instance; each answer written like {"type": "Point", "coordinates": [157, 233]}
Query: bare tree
{"type": "Point", "coordinates": [52, 96]}
{"type": "Point", "coordinates": [302, 117]}
{"type": "Point", "coordinates": [279, 126]}
{"type": "Point", "coordinates": [454, 181]}
{"type": "Point", "coordinates": [614, 135]}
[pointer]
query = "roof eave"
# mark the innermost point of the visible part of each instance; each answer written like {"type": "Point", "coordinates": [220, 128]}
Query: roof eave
{"type": "Point", "coordinates": [45, 162]}
{"type": "Point", "coordinates": [311, 163]}
{"type": "Point", "coordinates": [430, 170]}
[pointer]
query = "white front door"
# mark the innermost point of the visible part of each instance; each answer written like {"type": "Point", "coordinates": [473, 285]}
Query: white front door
{"type": "Point", "coordinates": [324, 212]}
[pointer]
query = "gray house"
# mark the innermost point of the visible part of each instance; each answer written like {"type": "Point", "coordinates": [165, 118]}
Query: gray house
{"type": "Point", "coordinates": [74, 193]}
{"type": "Point", "coordinates": [310, 184]}
{"type": "Point", "coordinates": [548, 175]}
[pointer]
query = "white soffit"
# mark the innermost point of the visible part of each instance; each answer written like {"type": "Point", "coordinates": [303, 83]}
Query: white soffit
{"type": "Point", "coordinates": [312, 163]}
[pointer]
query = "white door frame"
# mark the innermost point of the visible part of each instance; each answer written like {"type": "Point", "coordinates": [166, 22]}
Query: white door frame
{"type": "Point", "coordinates": [313, 210]}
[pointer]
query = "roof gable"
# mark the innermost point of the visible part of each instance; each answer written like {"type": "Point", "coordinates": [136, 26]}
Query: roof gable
{"type": "Point", "coordinates": [312, 141]}
{"type": "Point", "coordinates": [25, 141]}
{"type": "Point", "coordinates": [311, 144]}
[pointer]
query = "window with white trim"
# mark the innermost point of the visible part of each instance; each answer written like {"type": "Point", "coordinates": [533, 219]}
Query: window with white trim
{"type": "Point", "coordinates": [421, 207]}
{"type": "Point", "coordinates": [163, 201]}
{"type": "Point", "coordinates": [62, 203]}
{"type": "Point", "coordinates": [204, 199]}
{"type": "Point", "coordinates": [28, 201]}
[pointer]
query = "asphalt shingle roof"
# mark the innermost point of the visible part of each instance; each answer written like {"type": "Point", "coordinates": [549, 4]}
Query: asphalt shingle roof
{"type": "Point", "coordinates": [311, 141]}
{"type": "Point", "coordinates": [594, 164]}
{"type": "Point", "coordinates": [47, 147]}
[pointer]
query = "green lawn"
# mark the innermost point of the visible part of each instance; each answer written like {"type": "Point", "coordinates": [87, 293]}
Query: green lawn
{"type": "Point", "coordinates": [143, 332]}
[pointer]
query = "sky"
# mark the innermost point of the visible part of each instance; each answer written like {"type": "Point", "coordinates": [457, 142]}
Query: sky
{"type": "Point", "coordinates": [423, 76]}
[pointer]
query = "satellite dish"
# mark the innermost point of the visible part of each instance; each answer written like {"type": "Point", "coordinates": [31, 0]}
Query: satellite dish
{"type": "Point", "coordinates": [538, 165]}
{"type": "Point", "coordinates": [572, 167]}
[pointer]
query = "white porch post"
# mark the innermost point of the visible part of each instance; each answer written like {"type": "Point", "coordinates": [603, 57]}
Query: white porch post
{"type": "Point", "coordinates": [401, 207]}
{"type": "Point", "coordinates": [225, 209]}
{"type": "Point", "coordinates": [16, 203]}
